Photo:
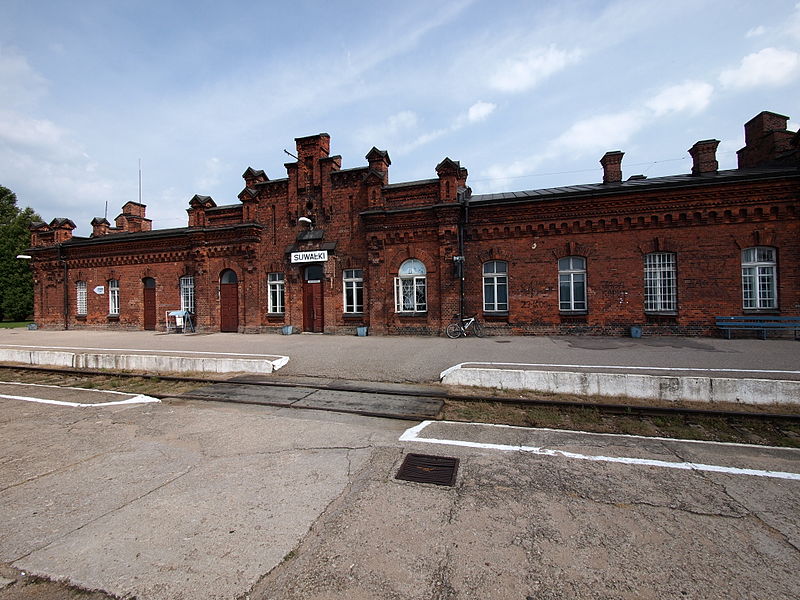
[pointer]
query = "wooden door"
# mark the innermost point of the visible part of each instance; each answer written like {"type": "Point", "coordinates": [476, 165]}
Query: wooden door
{"type": "Point", "coordinates": [228, 302]}
{"type": "Point", "coordinates": [313, 315]}
{"type": "Point", "coordinates": [149, 303]}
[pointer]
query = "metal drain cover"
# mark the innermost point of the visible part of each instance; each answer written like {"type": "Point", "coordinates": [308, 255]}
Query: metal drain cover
{"type": "Point", "coordinates": [422, 468]}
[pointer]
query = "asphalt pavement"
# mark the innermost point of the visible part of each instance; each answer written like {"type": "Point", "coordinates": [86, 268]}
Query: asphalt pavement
{"type": "Point", "coordinates": [409, 359]}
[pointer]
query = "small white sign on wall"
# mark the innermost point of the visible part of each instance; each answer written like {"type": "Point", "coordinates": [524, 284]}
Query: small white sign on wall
{"type": "Point", "coordinates": [100, 290]}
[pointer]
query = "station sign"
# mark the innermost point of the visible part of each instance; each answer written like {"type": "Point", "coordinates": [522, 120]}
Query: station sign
{"type": "Point", "coordinates": [310, 256]}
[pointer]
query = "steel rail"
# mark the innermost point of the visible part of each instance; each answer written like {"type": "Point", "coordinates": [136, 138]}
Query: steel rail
{"type": "Point", "coordinates": [604, 407]}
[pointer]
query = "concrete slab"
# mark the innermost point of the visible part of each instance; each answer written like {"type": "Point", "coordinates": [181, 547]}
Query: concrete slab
{"type": "Point", "coordinates": [358, 402]}
{"type": "Point", "coordinates": [380, 405]}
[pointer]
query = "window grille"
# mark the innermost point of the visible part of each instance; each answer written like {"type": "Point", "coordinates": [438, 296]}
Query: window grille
{"type": "Point", "coordinates": [660, 293]}
{"type": "Point", "coordinates": [410, 287]}
{"type": "Point", "coordinates": [572, 284]}
{"type": "Point", "coordinates": [80, 298]}
{"type": "Point", "coordinates": [187, 293]}
{"type": "Point", "coordinates": [113, 297]}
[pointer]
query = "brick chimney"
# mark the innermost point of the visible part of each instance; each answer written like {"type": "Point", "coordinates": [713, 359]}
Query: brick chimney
{"type": "Point", "coordinates": [100, 226]}
{"type": "Point", "coordinates": [132, 218]}
{"type": "Point", "coordinates": [612, 166]}
{"type": "Point", "coordinates": [767, 141]}
{"type": "Point", "coordinates": [379, 161]}
{"type": "Point", "coordinates": [704, 157]}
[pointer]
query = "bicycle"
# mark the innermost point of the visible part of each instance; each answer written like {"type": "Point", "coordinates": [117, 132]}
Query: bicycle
{"type": "Point", "coordinates": [456, 329]}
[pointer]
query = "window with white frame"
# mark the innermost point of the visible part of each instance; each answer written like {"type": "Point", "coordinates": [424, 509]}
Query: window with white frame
{"type": "Point", "coordinates": [660, 287]}
{"type": "Point", "coordinates": [410, 295]}
{"type": "Point", "coordinates": [187, 293]}
{"type": "Point", "coordinates": [275, 293]}
{"type": "Point", "coordinates": [495, 286]}
{"type": "Point", "coordinates": [759, 278]}
{"type": "Point", "coordinates": [572, 284]}
{"type": "Point", "coordinates": [113, 297]}
{"type": "Point", "coordinates": [80, 298]}
{"type": "Point", "coordinates": [353, 290]}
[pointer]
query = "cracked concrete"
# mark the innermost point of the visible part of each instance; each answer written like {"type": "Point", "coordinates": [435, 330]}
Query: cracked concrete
{"type": "Point", "coordinates": [169, 501]}
{"type": "Point", "coordinates": [204, 500]}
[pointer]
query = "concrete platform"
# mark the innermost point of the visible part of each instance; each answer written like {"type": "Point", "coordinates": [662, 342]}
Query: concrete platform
{"type": "Point", "coordinates": [666, 368]}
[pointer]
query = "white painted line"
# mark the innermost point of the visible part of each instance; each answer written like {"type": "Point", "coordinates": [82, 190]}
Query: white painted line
{"type": "Point", "coordinates": [138, 399]}
{"type": "Point", "coordinates": [46, 348]}
{"type": "Point", "coordinates": [412, 435]}
{"type": "Point", "coordinates": [65, 387]}
{"type": "Point", "coordinates": [671, 369]}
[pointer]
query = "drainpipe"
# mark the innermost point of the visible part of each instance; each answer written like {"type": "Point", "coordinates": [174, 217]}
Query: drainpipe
{"type": "Point", "coordinates": [63, 261]}
{"type": "Point", "coordinates": [463, 219]}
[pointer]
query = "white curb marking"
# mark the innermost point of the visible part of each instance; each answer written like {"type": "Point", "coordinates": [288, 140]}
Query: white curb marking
{"type": "Point", "coordinates": [412, 435]}
{"type": "Point", "coordinates": [671, 369]}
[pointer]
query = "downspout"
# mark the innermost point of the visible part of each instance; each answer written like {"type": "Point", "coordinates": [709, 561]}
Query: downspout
{"type": "Point", "coordinates": [463, 219]}
{"type": "Point", "coordinates": [63, 260]}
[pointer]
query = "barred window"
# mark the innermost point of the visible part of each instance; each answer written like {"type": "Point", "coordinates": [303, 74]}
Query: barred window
{"type": "Point", "coordinates": [113, 297]}
{"type": "Point", "coordinates": [660, 293]}
{"type": "Point", "coordinates": [759, 279]}
{"type": "Point", "coordinates": [410, 287]}
{"type": "Point", "coordinates": [353, 290]}
{"type": "Point", "coordinates": [572, 284]}
{"type": "Point", "coordinates": [495, 286]}
{"type": "Point", "coordinates": [80, 298]}
{"type": "Point", "coordinates": [275, 293]}
{"type": "Point", "coordinates": [187, 293]}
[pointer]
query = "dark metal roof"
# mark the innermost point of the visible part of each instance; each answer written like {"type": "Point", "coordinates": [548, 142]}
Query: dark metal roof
{"type": "Point", "coordinates": [223, 207]}
{"type": "Point", "coordinates": [686, 180]}
{"type": "Point", "coordinates": [403, 184]}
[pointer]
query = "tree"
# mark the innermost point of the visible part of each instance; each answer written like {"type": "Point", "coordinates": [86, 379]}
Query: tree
{"type": "Point", "coordinates": [16, 280]}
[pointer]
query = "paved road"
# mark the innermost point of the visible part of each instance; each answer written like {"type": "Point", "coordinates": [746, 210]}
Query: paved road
{"type": "Point", "coordinates": [422, 359]}
{"type": "Point", "coordinates": [188, 499]}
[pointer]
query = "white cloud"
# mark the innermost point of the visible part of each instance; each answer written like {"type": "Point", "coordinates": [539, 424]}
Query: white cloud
{"type": "Point", "coordinates": [692, 96]}
{"type": "Point", "coordinates": [20, 84]}
{"type": "Point", "coordinates": [42, 136]}
{"type": "Point", "coordinates": [480, 111]}
{"type": "Point", "coordinates": [600, 132]}
{"type": "Point", "coordinates": [768, 67]}
{"type": "Point", "coordinates": [527, 70]}
{"type": "Point", "coordinates": [755, 32]}
{"type": "Point", "coordinates": [211, 175]}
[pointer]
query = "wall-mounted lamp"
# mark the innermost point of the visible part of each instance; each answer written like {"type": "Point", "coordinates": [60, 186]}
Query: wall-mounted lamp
{"type": "Point", "coordinates": [24, 256]}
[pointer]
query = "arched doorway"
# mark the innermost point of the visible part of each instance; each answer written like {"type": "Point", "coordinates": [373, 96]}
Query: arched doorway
{"type": "Point", "coordinates": [228, 301]}
{"type": "Point", "coordinates": [149, 303]}
{"type": "Point", "coordinates": [313, 314]}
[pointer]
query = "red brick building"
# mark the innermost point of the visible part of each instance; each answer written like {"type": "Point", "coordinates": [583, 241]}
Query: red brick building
{"type": "Point", "coordinates": [327, 249]}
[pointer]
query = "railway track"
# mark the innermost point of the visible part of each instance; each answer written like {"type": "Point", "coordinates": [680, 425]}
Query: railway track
{"type": "Point", "coordinates": [623, 409]}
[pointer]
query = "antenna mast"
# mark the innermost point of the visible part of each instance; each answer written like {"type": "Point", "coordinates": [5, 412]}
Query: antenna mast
{"type": "Point", "coordinates": [140, 181]}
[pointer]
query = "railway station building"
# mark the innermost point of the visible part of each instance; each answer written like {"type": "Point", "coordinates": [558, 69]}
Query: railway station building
{"type": "Point", "coordinates": [326, 249]}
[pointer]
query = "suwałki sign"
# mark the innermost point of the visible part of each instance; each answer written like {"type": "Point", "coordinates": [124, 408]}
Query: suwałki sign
{"type": "Point", "coordinates": [312, 256]}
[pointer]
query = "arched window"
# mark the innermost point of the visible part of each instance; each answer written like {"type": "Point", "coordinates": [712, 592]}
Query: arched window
{"type": "Point", "coordinates": [187, 293]}
{"type": "Point", "coordinates": [660, 282]}
{"type": "Point", "coordinates": [759, 278]}
{"type": "Point", "coordinates": [572, 284]}
{"type": "Point", "coordinates": [113, 297]}
{"type": "Point", "coordinates": [80, 298]}
{"type": "Point", "coordinates": [495, 286]}
{"type": "Point", "coordinates": [228, 276]}
{"type": "Point", "coordinates": [410, 294]}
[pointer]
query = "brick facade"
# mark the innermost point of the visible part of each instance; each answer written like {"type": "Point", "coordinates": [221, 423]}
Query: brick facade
{"type": "Point", "coordinates": [686, 234]}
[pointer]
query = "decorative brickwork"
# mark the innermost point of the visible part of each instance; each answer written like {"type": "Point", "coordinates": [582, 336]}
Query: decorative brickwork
{"type": "Point", "coordinates": [278, 257]}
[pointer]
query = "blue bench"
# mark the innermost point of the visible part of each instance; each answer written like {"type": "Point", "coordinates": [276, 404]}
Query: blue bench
{"type": "Point", "coordinates": [758, 322]}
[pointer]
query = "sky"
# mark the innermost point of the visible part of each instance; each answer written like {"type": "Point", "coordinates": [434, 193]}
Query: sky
{"type": "Point", "coordinates": [525, 94]}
